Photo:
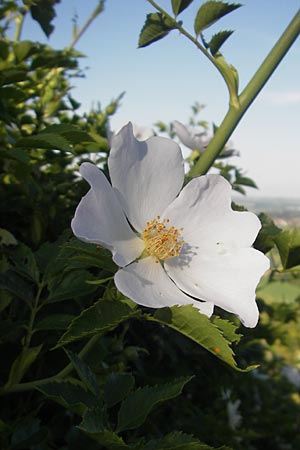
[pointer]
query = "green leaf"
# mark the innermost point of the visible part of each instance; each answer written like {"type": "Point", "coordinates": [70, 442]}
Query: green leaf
{"type": "Point", "coordinates": [180, 5]}
{"type": "Point", "coordinates": [11, 76]}
{"type": "Point", "coordinates": [17, 154]}
{"type": "Point", "coordinates": [103, 316]}
{"type": "Point", "coordinates": [178, 441]}
{"type": "Point", "coordinates": [245, 181]}
{"type": "Point", "coordinates": [54, 322]}
{"type": "Point", "coordinates": [6, 238]}
{"type": "Point", "coordinates": [25, 263]}
{"type": "Point", "coordinates": [4, 50]}
{"type": "Point", "coordinates": [265, 239]}
{"type": "Point", "coordinates": [43, 12]}
{"type": "Point", "coordinates": [22, 363]}
{"type": "Point", "coordinates": [69, 285]}
{"type": "Point", "coordinates": [89, 255]}
{"type": "Point", "coordinates": [117, 387]}
{"type": "Point", "coordinates": [210, 12]}
{"type": "Point", "coordinates": [188, 321]}
{"type": "Point", "coordinates": [45, 140]}
{"type": "Point", "coordinates": [218, 40]}
{"type": "Point", "coordinates": [106, 438]}
{"type": "Point", "coordinates": [156, 27]}
{"type": "Point", "coordinates": [27, 434]}
{"type": "Point", "coordinates": [279, 292]}
{"type": "Point", "coordinates": [288, 244]}
{"type": "Point", "coordinates": [93, 420]}
{"type": "Point", "coordinates": [227, 328]}
{"type": "Point", "coordinates": [84, 372]}
{"type": "Point", "coordinates": [68, 393]}
{"type": "Point", "coordinates": [73, 134]}
{"type": "Point", "coordinates": [5, 300]}
{"type": "Point", "coordinates": [13, 283]}
{"type": "Point", "coordinates": [136, 407]}
{"type": "Point", "coordinates": [23, 49]}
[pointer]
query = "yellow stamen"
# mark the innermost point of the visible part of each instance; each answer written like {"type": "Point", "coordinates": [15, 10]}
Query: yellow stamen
{"type": "Point", "coordinates": [161, 242]}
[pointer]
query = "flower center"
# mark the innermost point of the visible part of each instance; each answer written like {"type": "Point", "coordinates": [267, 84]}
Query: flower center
{"type": "Point", "coordinates": [162, 242]}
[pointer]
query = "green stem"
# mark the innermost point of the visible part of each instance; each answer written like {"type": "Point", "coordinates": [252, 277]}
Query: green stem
{"type": "Point", "coordinates": [194, 40]}
{"type": "Point", "coordinates": [22, 387]}
{"type": "Point", "coordinates": [34, 310]}
{"type": "Point", "coordinates": [19, 25]}
{"type": "Point", "coordinates": [93, 16]}
{"type": "Point", "coordinates": [235, 113]}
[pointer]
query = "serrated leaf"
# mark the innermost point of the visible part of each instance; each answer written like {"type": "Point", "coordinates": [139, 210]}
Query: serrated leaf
{"type": "Point", "coordinates": [180, 5]}
{"type": "Point", "coordinates": [22, 363]}
{"type": "Point", "coordinates": [13, 283]}
{"type": "Point", "coordinates": [210, 12]}
{"type": "Point", "coordinates": [103, 316]}
{"type": "Point", "coordinates": [84, 372]}
{"type": "Point", "coordinates": [25, 263]}
{"type": "Point", "coordinates": [288, 244]}
{"type": "Point", "coordinates": [43, 12]}
{"type": "Point", "coordinates": [45, 140]}
{"type": "Point", "coordinates": [136, 407]}
{"type": "Point", "coordinates": [93, 420]}
{"type": "Point", "coordinates": [110, 440]}
{"type": "Point", "coordinates": [188, 321]}
{"type": "Point", "coordinates": [54, 322]}
{"type": "Point", "coordinates": [68, 393]}
{"type": "Point", "coordinates": [228, 329]}
{"type": "Point", "coordinates": [69, 285]}
{"type": "Point", "coordinates": [178, 441]}
{"type": "Point", "coordinates": [265, 238]}
{"type": "Point", "coordinates": [155, 28]}
{"type": "Point", "coordinates": [117, 387]}
{"type": "Point", "coordinates": [218, 40]}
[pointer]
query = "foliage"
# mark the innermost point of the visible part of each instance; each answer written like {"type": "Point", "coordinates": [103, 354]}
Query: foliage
{"type": "Point", "coordinates": [82, 366]}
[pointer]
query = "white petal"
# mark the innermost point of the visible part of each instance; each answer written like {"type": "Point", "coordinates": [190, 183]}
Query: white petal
{"type": "Point", "coordinates": [192, 139]}
{"type": "Point", "coordinates": [147, 284]}
{"type": "Point", "coordinates": [146, 175]}
{"type": "Point", "coordinates": [203, 209]}
{"type": "Point", "coordinates": [99, 219]}
{"type": "Point", "coordinates": [227, 278]}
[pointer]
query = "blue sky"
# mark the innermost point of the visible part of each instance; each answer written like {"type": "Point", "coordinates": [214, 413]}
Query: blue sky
{"type": "Point", "coordinates": [163, 80]}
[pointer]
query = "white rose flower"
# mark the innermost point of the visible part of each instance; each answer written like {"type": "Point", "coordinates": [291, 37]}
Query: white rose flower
{"type": "Point", "coordinates": [172, 248]}
{"type": "Point", "coordinates": [191, 137]}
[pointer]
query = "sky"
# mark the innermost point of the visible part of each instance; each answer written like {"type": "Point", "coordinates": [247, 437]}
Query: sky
{"type": "Point", "coordinates": [163, 81]}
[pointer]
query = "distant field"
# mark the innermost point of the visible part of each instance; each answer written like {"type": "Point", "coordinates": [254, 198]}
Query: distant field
{"type": "Point", "coordinates": [284, 211]}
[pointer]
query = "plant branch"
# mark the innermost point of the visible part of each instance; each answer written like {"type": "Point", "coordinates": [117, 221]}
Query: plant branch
{"type": "Point", "coordinates": [29, 386]}
{"type": "Point", "coordinates": [248, 95]}
{"type": "Point", "coordinates": [92, 17]}
{"type": "Point", "coordinates": [219, 66]}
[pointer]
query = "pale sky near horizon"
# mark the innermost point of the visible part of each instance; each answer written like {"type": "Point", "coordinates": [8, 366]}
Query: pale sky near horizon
{"type": "Point", "coordinates": [163, 80]}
